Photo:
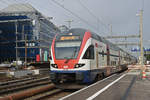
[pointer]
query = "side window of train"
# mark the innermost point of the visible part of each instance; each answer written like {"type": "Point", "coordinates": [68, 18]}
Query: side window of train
{"type": "Point", "coordinates": [89, 54]}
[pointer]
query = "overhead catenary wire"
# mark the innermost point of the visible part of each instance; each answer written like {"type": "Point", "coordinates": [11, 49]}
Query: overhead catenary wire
{"type": "Point", "coordinates": [74, 14]}
{"type": "Point", "coordinates": [16, 7]}
{"type": "Point", "coordinates": [69, 12]}
{"type": "Point", "coordinates": [24, 6]}
{"type": "Point", "coordinates": [91, 13]}
{"type": "Point", "coordinates": [45, 8]}
{"type": "Point", "coordinates": [64, 14]}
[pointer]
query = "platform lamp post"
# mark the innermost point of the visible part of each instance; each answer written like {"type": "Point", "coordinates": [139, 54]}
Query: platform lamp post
{"type": "Point", "coordinates": [141, 45]}
{"type": "Point", "coordinates": [141, 37]}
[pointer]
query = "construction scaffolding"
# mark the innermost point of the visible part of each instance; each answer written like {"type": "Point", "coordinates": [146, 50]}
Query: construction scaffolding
{"type": "Point", "coordinates": [18, 21]}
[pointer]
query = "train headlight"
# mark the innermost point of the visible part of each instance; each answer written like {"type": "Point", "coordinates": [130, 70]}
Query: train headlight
{"type": "Point", "coordinates": [76, 65]}
{"type": "Point", "coordinates": [79, 65]}
{"type": "Point", "coordinates": [54, 65]}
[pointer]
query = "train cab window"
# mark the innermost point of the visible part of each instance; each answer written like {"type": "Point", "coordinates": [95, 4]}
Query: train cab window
{"type": "Point", "coordinates": [89, 54]}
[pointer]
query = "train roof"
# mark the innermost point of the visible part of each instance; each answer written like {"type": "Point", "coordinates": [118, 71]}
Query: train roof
{"type": "Point", "coordinates": [81, 31]}
{"type": "Point", "coordinates": [75, 31]}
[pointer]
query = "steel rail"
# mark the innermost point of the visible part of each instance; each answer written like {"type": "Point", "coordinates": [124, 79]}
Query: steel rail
{"type": "Point", "coordinates": [28, 93]}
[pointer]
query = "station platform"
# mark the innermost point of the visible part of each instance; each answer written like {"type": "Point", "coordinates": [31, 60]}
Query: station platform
{"type": "Point", "coordinates": [23, 72]}
{"type": "Point", "coordinates": [125, 86]}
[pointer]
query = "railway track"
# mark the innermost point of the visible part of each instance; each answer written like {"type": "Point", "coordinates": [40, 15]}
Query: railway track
{"type": "Point", "coordinates": [30, 89]}
{"type": "Point", "coordinates": [18, 85]}
{"type": "Point", "coordinates": [53, 94]}
{"type": "Point", "coordinates": [33, 88]}
{"type": "Point", "coordinates": [21, 95]}
{"type": "Point", "coordinates": [16, 80]}
{"type": "Point", "coordinates": [22, 85]}
{"type": "Point", "coordinates": [59, 95]}
{"type": "Point", "coordinates": [45, 92]}
{"type": "Point", "coordinates": [45, 95]}
{"type": "Point", "coordinates": [5, 78]}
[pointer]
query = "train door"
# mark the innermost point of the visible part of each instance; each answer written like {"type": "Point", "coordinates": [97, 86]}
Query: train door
{"type": "Point", "coordinates": [89, 55]}
{"type": "Point", "coordinates": [108, 72]}
{"type": "Point", "coordinates": [97, 60]}
{"type": "Point", "coordinates": [97, 56]}
{"type": "Point", "coordinates": [119, 59]}
{"type": "Point", "coordinates": [108, 56]}
{"type": "Point", "coordinates": [92, 60]}
{"type": "Point", "coordinates": [102, 56]}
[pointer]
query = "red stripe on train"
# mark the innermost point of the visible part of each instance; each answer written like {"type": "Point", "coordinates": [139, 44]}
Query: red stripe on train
{"type": "Point", "coordinates": [71, 63]}
{"type": "Point", "coordinates": [86, 37]}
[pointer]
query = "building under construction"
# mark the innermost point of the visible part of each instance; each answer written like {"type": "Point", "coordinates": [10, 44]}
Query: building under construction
{"type": "Point", "coordinates": [25, 34]}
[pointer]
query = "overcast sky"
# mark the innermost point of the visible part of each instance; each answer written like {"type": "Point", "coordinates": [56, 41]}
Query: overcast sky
{"type": "Point", "coordinates": [120, 13]}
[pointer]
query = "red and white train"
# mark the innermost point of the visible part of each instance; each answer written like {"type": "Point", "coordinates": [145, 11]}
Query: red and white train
{"type": "Point", "coordinates": [81, 56]}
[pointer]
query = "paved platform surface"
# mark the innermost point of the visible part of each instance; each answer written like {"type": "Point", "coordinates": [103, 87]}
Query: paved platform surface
{"type": "Point", "coordinates": [127, 86]}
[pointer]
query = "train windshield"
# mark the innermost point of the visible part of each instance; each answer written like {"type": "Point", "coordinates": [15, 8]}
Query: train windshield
{"type": "Point", "coordinates": [67, 50]}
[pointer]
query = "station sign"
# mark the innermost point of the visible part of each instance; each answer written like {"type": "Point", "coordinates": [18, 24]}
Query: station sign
{"type": "Point", "coordinates": [138, 49]}
{"type": "Point", "coordinates": [135, 49]}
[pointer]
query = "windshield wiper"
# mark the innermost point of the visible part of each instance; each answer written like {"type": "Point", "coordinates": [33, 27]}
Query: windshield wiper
{"type": "Point", "coordinates": [67, 59]}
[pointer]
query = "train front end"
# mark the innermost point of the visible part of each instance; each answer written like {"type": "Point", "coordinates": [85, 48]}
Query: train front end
{"type": "Point", "coordinates": [67, 65]}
